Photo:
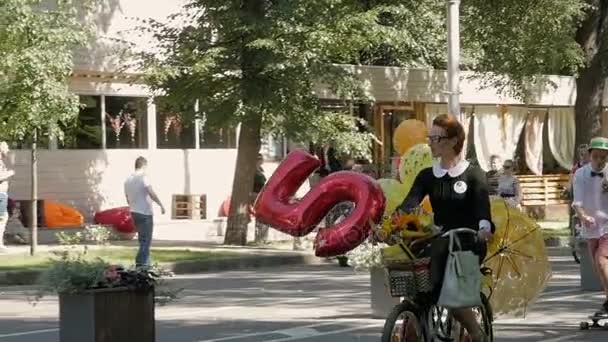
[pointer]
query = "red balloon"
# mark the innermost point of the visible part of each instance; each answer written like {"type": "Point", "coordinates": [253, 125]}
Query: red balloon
{"type": "Point", "coordinates": [120, 218]}
{"type": "Point", "coordinates": [274, 206]}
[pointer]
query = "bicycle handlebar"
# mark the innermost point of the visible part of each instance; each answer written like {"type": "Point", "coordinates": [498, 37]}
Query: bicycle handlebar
{"type": "Point", "coordinates": [459, 230]}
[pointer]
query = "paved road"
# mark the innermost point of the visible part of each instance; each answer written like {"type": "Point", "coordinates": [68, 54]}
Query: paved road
{"type": "Point", "coordinates": [301, 303]}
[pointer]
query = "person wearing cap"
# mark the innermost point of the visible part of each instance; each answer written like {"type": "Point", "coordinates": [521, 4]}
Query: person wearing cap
{"type": "Point", "coordinates": [591, 205]}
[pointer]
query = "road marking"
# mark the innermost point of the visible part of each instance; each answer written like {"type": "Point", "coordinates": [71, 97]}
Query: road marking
{"type": "Point", "coordinates": [269, 332]}
{"type": "Point", "coordinates": [563, 338]}
{"type": "Point", "coordinates": [319, 334]}
{"type": "Point", "coordinates": [33, 332]}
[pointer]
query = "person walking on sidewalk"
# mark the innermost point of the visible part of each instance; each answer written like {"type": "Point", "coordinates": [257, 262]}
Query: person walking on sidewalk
{"type": "Point", "coordinates": [5, 174]}
{"type": "Point", "coordinates": [591, 206]}
{"type": "Point", "coordinates": [139, 194]}
{"type": "Point", "coordinates": [259, 180]}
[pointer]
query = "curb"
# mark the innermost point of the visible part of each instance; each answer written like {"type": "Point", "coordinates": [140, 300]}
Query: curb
{"type": "Point", "coordinates": [30, 277]}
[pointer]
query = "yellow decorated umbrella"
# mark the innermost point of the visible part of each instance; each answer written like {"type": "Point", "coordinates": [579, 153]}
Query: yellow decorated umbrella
{"type": "Point", "coordinates": [518, 259]}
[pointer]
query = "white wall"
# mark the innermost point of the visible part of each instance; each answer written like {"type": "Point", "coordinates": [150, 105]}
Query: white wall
{"type": "Point", "coordinates": [116, 22]}
{"type": "Point", "coordinates": [92, 180]}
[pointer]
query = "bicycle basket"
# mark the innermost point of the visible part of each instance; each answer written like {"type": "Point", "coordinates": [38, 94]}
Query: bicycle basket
{"type": "Point", "coordinates": [410, 278]}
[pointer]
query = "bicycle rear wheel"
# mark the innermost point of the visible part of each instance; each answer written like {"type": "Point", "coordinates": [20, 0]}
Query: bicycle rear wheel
{"type": "Point", "coordinates": [403, 324]}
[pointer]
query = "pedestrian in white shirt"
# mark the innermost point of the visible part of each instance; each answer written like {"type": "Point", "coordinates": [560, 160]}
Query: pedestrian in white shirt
{"type": "Point", "coordinates": [591, 206]}
{"type": "Point", "coordinates": [140, 195]}
{"type": "Point", "coordinates": [5, 174]}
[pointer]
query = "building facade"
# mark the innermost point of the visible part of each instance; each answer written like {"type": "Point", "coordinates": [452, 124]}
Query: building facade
{"type": "Point", "coordinates": [87, 169]}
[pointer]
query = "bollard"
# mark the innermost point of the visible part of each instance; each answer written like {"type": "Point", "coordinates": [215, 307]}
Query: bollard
{"type": "Point", "coordinates": [589, 278]}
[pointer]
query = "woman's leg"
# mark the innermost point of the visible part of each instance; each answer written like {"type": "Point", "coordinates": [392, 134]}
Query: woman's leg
{"type": "Point", "coordinates": [468, 318]}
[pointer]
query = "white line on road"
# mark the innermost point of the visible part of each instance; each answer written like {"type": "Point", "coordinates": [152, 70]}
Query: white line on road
{"type": "Point", "coordinates": [269, 332]}
{"type": "Point", "coordinates": [319, 334]}
{"type": "Point", "coordinates": [32, 332]}
{"type": "Point", "coordinates": [309, 329]}
{"type": "Point", "coordinates": [563, 338]}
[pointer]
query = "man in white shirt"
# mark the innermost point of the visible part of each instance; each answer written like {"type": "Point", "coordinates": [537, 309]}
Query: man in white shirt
{"type": "Point", "coordinates": [591, 206]}
{"type": "Point", "coordinates": [140, 195]}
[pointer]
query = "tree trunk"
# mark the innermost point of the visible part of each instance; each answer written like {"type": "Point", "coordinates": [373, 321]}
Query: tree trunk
{"type": "Point", "coordinates": [252, 13]}
{"type": "Point", "coordinates": [242, 185]}
{"type": "Point", "coordinates": [591, 79]}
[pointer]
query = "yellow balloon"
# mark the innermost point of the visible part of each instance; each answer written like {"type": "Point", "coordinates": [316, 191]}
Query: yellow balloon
{"type": "Point", "coordinates": [426, 205]}
{"type": "Point", "coordinates": [409, 133]}
{"type": "Point", "coordinates": [416, 159]}
{"type": "Point", "coordinates": [392, 193]}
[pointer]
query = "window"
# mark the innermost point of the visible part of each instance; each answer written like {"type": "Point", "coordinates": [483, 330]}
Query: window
{"type": "Point", "coordinates": [218, 137]}
{"type": "Point", "coordinates": [173, 130]}
{"type": "Point", "coordinates": [126, 122]}
{"type": "Point", "coordinates": [85, 133]}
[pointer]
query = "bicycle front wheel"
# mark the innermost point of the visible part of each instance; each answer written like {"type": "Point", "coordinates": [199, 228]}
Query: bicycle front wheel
{"type": "Point", "coordinates": [403, 324]}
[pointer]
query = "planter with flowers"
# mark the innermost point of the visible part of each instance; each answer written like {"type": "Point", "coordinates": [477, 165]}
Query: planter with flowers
{"type": "Point", "coordinates": [380, 248]}
{"type": "Point", "coordinates": [99, 302]}
{"type": "Point", "coordinates": [368, 257]}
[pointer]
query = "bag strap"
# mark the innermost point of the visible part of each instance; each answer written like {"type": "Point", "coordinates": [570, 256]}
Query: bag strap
{"type": "Point", "coordinates": [454, 240]}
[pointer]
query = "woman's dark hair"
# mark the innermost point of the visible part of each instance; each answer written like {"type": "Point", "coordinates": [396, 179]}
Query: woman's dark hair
{"type": "Point", "coordinates": [453, 129]}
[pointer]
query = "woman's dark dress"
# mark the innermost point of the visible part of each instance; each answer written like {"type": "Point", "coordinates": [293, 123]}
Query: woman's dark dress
{"type": "Point", "coordinates": [460, 199]}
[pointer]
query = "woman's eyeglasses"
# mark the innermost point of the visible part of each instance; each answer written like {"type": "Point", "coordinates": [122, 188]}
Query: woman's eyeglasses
{"type": "Point", "coordinates": [507, 167]}
{"type": "Point", "coordinates": [436, 138]}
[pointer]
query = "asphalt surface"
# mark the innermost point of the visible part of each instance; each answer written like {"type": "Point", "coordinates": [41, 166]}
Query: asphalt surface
{"type": "Point", "coordinates": [301, 303]}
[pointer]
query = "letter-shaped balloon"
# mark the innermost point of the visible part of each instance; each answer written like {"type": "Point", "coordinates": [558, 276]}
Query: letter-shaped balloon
{"type": "Point", "coordinates": [273, 205]}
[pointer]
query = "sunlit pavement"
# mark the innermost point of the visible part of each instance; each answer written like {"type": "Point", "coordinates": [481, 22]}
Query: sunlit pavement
{"type": "Point", "coordinates": [302, 303]}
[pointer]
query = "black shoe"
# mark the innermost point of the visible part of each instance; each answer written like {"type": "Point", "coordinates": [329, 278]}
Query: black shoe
{"type": "Point", "coordinates": [603, 312]}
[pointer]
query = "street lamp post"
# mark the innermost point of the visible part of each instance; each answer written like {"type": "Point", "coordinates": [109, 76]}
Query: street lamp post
{"type": "Point", "coordinates": [453, 57]}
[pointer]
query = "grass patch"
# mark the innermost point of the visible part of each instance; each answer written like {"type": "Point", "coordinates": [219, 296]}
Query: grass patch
{"type": "Point", "coordinates": [117, 255]}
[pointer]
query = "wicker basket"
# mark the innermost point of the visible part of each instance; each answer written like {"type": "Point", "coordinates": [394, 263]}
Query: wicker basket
{"type": "Point", "coordinates": [410, 278]}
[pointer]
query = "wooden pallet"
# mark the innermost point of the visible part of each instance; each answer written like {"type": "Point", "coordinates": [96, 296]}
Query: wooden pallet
{"type": "Point", "coordinates": [543, 190]}
{"type": "Point", "coordinates": [189, 207]}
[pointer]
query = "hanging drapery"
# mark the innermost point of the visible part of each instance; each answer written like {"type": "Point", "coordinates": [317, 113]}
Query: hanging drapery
{"type": "Point", "coordinates": [496, 132]}
{"type": "Point", "coordinates": [534, 140]}
{"type": "Point", "coordinates": [514, 119]}
{"type": "Point", "coordinates": [487, 125]}
{"type": "Point", "coordinates": [561, 130]}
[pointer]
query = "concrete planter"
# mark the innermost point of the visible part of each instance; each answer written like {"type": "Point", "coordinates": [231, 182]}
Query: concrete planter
{"type": "Point", "coordinates": [382, 301]}
{"type": "Point", "coordinates": [107, 315]}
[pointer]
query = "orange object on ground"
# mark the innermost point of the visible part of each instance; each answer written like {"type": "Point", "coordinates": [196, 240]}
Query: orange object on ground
{"type": "Point", "coordinates": [59, 215]}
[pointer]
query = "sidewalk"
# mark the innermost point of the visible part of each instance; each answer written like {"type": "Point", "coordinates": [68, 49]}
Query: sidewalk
{"type": "Point", "coordinates": [247, 257]}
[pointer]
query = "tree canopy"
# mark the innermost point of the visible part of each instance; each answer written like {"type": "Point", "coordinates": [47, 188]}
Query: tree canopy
{"type": "Point", "coordinates": [37, 42]}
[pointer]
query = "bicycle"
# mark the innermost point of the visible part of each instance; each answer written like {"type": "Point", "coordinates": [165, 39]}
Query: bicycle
{"type": "Point", "coordinates": [417, 317]}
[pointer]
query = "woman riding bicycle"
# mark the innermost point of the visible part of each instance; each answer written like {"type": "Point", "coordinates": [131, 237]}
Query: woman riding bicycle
{"type": "Point", "coordinates": [459, 197]}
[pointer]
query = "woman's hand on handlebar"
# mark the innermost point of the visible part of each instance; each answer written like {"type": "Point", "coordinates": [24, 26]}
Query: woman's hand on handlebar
{"type": "Point", "coordinates": [485, 235]}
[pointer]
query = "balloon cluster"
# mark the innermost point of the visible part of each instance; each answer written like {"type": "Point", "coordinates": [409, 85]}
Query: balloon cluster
{"type": "Point", "coordinates": [275, 205]}
{"type": "Point", "coordinates": [374, 201]}
{"type": "Point", "coordinates": [409, 140]}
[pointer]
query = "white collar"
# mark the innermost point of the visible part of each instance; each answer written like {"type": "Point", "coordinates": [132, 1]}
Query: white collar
{"type": "Point", "coordinates": [455, 171]}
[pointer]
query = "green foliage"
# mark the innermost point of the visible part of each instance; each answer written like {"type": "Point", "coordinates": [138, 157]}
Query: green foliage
{"type": "Point", "coordinates": [515, 42]}
{"type": "Point", "coordinates": [100, 235]}
{"type": "Point", "coordinates": [72, 272]}
{"type": "Point", "coordinates": [69, 239]}
{"type": "Point", "coordinates": [238, 67]}
{"type": "Point", "coordinates": [37, 40]}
